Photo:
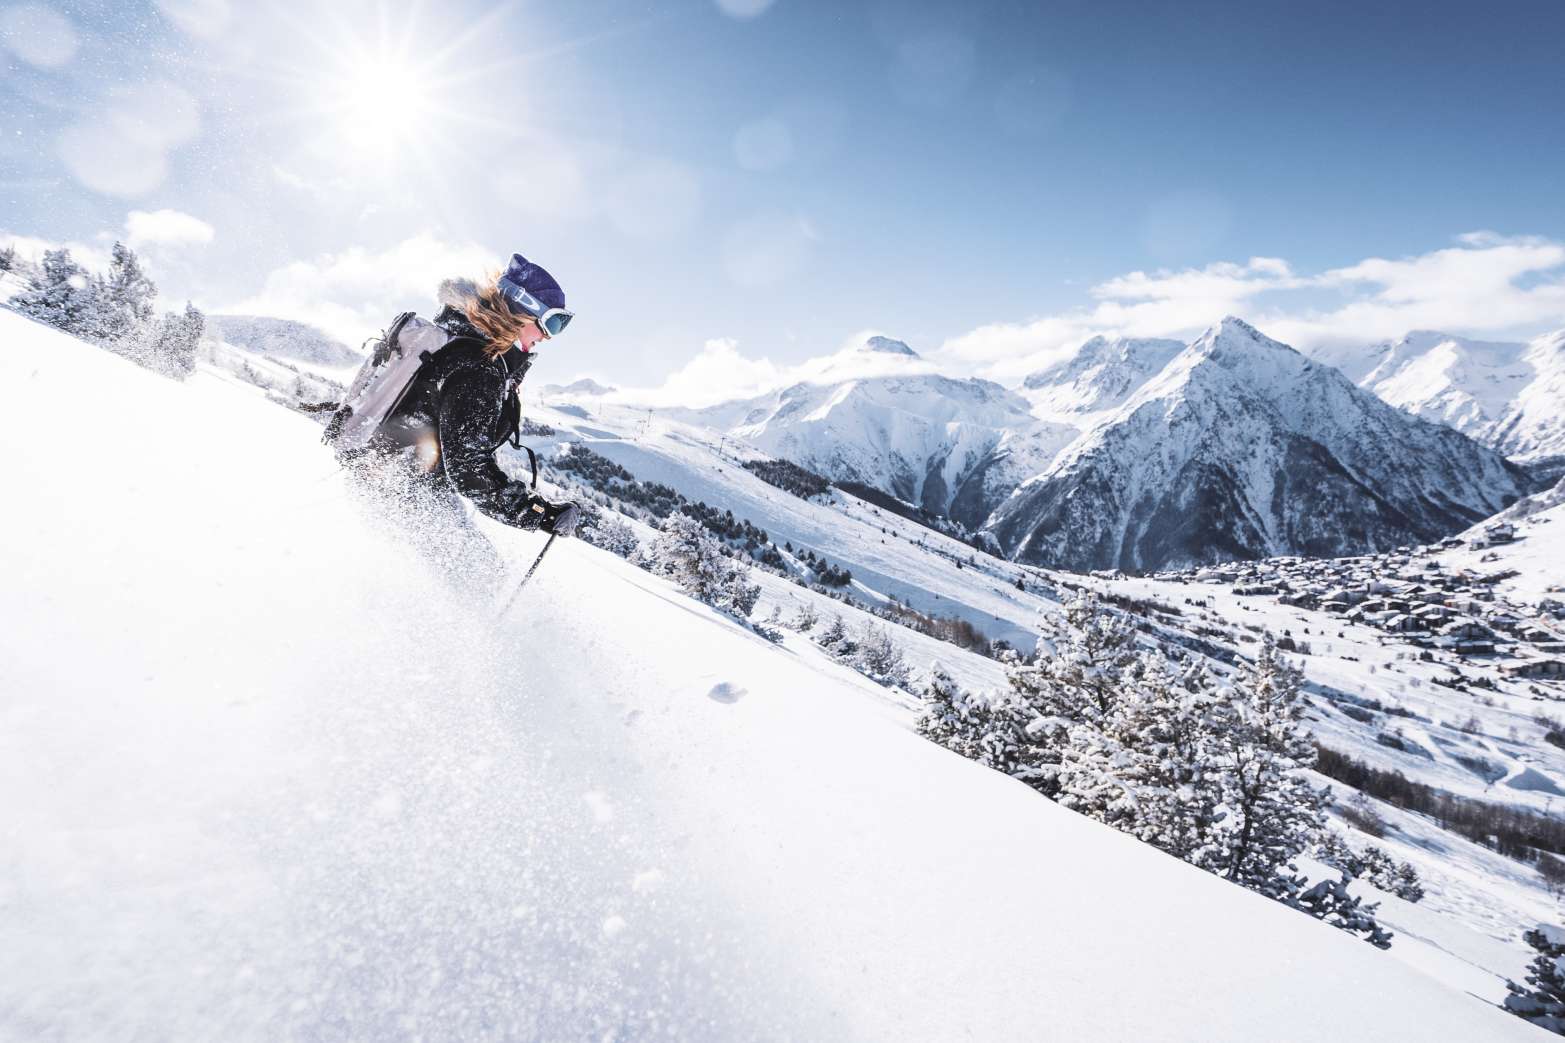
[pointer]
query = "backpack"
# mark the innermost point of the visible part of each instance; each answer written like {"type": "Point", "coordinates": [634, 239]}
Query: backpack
{"type": "Point", "coordinates": [407, 348]}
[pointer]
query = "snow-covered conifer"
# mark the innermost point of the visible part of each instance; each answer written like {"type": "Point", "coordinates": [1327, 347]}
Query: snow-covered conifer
{"type": "Point", "coordinates": [610, 531]}
{"type": "Point", "coordinates": [1262, 749]}
{"type": "Point", "coordinates": [877, 656]}
{"type": "Point", "coordinates": [1329, 900]}
{"type": "Point", "coordinates": [1544, 1003]}
{"type": "Point", "coordinates": [1076, 678]}
{"type": "Point", "coordinates": [126, 289]}
{"type": "Point", "coordinates": [57, 294]}
{"type": "Point", "coordinates": [835, 638]}
{"type": "Point", "coordinates": [182, 341]}
{"type": "Point", "coordinates": [981, 729]}
{"type": "Point", "coordinates": [694, 558]}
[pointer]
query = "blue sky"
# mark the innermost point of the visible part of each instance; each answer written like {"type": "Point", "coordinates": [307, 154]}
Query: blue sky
{"type": "Point", "coordinates": [731, 182]}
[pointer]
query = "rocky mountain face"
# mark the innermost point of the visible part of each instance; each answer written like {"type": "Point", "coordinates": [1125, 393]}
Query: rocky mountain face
{"type": "Point", "coordinates": [1242, 447]}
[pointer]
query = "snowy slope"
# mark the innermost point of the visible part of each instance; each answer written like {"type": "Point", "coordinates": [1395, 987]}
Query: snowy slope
{"type": "Point", "coordinates": [263, 778]}
{"type": "Point", "coordinates": [285, 339]}
{"type": "Point", "coordinates": [1240, 448]}
{"type": "Point", "coordinates": [887, 555]}
{"type": "Point", "coordinates": [1508, 396]}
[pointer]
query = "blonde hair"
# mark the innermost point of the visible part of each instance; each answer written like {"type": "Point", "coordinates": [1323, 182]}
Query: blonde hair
{"type": "Point", "coordinates": [488, 313]}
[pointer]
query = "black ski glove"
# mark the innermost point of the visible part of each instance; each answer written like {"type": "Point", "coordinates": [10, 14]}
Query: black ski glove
{"type": "Point", "coordinates": [559, 519]}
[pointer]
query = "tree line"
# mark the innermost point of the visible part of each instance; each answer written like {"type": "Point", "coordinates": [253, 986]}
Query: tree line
{"type": "Point", "coordinates": [113, 309]}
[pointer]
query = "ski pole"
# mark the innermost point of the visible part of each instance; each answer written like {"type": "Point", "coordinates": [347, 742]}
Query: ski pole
{"type": "Point", "coordinates": [531, 569]}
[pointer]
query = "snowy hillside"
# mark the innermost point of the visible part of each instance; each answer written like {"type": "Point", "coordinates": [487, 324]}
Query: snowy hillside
{"type": "Point", "coordinates": [1240, 448]}
{"type": "Point", "coordinates": [284, 339]}
{"type": "Point", "coordinates": [265, 778]}
{"type": "Point", "coordinates": [1508, 396]}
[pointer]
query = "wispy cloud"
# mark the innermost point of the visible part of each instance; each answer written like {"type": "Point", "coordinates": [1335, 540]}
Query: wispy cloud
{"type": "Point", "coordinates": [357, 291]}
{"type": "Point", "coordinates": [720, 372]}
{"type": "Point", "coordinates": [1485, 285]}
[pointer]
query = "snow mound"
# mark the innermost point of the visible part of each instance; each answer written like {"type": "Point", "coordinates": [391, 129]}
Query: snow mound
{"type": "Point", "coordinates": [264, 777]}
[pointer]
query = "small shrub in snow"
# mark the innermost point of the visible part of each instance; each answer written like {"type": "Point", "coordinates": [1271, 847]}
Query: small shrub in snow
{"type": "Point", "coordinates": [834, 638]}
{"type": "Point", "coordinates": [1330, 901]}
{"type": "Point", "coordinates": [1360, 813]}
{"type": "Point", "coordinates": [685, 551]}
{"type": "Point", "coordinates": [877, 656]}
{"type": "Point", "coordinates": [806, 618]}
{"type": "Point", "coordinates": [606, 529]}
{"type": "Point", "coordinates": [1542, 1000]}
{"type": "Point", "coordinates": [1552, 870]}
{"type": "Point", "coordinates": [1374, 865]}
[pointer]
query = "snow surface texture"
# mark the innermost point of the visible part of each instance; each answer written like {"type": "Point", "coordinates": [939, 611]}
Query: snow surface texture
{"type": "Point", "coordinates": [264, 778]}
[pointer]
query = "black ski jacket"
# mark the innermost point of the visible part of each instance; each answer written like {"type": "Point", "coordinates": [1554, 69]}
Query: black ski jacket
{"type": "Point", "coordinates": [471, 400]}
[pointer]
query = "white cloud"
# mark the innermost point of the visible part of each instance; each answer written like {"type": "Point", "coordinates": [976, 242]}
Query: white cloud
{"type": "Point", "coordinates": [1486, 285]}
{"type": "Point", "coordinates": [720, 372]}
{"type": "Point", "coordinates": [89, 256]}
{"type": "Point", "coordinates": [144, 228]}
{"type": "Point", "coordinates": [354, 293]}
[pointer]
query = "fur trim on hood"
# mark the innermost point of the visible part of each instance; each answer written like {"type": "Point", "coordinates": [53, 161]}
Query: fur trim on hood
{"type": "Point", "coordinates": [455, 293]}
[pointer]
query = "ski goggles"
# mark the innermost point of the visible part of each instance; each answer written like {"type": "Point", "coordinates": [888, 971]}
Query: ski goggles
{"type": "Point", "coordinates": [551, 320]}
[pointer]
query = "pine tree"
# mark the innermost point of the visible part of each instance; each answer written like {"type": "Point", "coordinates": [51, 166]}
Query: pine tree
{"type": "Point", "coordinates": [1075, 679]}
{"type": "Point", "coordinates": [128, 292]}
{"type": "Point", "coordinates": [877, 655]}
{"type": "Point", "coordinates": [57, 294]}
{"type": "Point", "coordinates": [1544, 1003]}
{"type": "Point", "coordinates": [1329, 901]}
{"type": "Point", "coordinates": [171, 344]}
{"type": "Point", "coordinates": [978, 728]}
{"type": "Point", "coordinates": [835, 638]}
{"type": "Point", "coordinates": [686, 551]}
{"type": "Point", "coordinates": [7, 259]}
{"type": "Point", "coordinates": [611, 532]}
{"type": "Point", "coordinates": [1406, 884]}
{"type": "Point", "coordinates": [1263, 746]}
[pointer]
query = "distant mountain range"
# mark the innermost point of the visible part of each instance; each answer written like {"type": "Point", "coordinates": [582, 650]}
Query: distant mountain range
{"type": "Point", "coordinates": [1509, 396]}
{"type": "Point", "coordinates": [1241, 447]}
{"type": "Point", "coordinates": [283, 339]}
{"type": "Point", "coordinates": [1143, 454]}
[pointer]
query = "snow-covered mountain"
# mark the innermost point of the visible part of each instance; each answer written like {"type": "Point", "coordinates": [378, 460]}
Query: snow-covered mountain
{"type": "Point", "coordinates": [283, 339]}
{"type": "Point", "coordinates": [1509, 396]}
{"type": "Point", "coordinates": [877, 415]}
{"type": "Point", "coordinates": [285, 823]}
{"type": "Point", "coordinates": [1097, 377]}
{"type": "Point", "coordinates": [1240, 448]}
{"type": "Point", "coordinates": [586, 386]}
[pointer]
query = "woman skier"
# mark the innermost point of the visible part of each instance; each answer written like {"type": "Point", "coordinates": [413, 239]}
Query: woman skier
{"type": "Point", "coordinates": [440, 438]}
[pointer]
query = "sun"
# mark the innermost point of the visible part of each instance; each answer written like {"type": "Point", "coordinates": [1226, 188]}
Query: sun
{"type": "Point", "coordinates": [381, 100]}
